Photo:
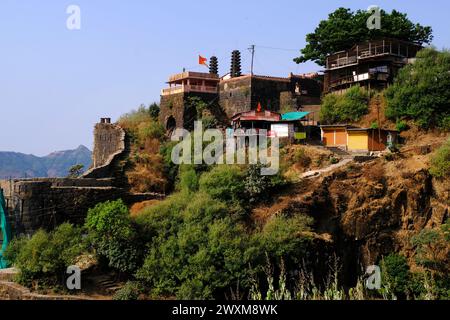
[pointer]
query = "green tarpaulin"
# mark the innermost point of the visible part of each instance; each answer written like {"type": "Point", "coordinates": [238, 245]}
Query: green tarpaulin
{"type": "Point", "coordinates": [5, 230]}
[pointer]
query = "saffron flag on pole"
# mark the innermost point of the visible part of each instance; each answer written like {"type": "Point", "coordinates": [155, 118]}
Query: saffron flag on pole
{"type": "Point", "coordinates": [202, 60]}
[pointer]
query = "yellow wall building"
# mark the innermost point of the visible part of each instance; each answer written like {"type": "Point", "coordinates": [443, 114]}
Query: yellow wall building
{"type": "Point", "coordinates": [358, 140]}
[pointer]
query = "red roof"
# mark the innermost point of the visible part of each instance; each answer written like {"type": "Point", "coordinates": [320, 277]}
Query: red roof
{"type": "Point", "coordinates": [257, 116]}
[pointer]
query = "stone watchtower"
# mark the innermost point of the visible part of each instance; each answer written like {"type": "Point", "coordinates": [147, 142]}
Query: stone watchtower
{"type": "Point", "coordinates": [175, 111]}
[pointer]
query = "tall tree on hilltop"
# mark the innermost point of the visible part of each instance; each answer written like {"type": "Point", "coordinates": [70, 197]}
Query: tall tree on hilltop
{"type": "Point", "coordinates": [344, 28]}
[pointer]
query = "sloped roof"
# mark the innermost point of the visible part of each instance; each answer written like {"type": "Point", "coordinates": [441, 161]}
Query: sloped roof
{"type": "Point", "coordinates": [294, 116]}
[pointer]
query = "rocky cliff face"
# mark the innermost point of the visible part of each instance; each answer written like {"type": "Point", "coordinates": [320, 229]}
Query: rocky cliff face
{"type": "Point", "coordinates": [371, 215]}
{"type": "Point", "coordinates": [371, 210]}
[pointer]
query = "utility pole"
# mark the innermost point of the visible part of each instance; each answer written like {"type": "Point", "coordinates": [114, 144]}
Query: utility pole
{"type": "Point", "coordinates": [252, 50]}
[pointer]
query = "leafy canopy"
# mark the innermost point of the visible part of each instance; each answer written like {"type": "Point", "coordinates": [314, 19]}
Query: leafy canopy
{"type": "Point", "coordinates": [114, 236]}
{"type": "Point", "coordinates": [348, 107]}
{"type": "Point", "coordinates": [420, 91]}
{"type": "Point", "coordinates": [344, 28]}
{"type": "Point", "coordinates": [45, 256]}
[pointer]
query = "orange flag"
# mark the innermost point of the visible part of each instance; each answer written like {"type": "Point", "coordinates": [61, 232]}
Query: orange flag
{"type": "Point", "coordinates": [202, 60]}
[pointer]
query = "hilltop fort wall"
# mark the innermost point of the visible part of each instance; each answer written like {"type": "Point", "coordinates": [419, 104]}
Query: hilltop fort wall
{"type": "Point", "coordinates": [34, 204]}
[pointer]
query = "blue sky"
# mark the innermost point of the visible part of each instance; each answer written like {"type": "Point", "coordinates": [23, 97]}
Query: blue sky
{"type": "Point", "coordinates": [55, 83]}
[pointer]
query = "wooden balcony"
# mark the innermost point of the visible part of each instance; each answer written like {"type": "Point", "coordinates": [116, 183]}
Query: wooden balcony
{"type": "Point", "coordinates": [398, 50]}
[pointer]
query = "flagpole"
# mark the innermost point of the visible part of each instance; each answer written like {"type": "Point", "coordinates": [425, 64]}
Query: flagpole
{"type": "Point", "coordinates": [252, 49]}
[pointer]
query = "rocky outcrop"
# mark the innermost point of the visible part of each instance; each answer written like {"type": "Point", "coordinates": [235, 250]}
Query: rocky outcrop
{"type": "Point", "coordinates": [373, 209]}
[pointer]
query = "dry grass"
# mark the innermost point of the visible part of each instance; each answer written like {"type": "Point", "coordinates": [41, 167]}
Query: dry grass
{"type": "Point", "coordinates": [137, 208]}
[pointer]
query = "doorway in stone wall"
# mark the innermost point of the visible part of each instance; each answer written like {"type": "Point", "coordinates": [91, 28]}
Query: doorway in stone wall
{"type": "Point", "coordinates": [170, 124]}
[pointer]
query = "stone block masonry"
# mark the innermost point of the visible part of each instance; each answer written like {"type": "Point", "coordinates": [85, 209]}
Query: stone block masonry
{"type": "Point", "coordinates": [110, 147]}
{"type": "Point", "coordinates": [176, 112]}
{"type": "Point", "coordinates": [46, 203]}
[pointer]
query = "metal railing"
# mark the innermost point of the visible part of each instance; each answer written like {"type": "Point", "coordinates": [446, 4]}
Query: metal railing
{"type": "Point", "coordinates": [188, 88]}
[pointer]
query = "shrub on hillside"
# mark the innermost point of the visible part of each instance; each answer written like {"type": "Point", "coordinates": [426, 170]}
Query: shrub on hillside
{"type": "Point", "coordinates": [286, 238]}
{"type": "Point", "coordinates": [45, 257]}
{"type": "Point", "coordinates": [154, 110]}
{"type": "Point", "coordinates": [395, 272]}
{"type": "Point", "coordinates": [131, 291]}
{"type": "Point", "coordinates": [420, 91]}
{"type": "Point", "coordinates": [196, 250]}
{"type": "Point", "coordinates": [401, 126]}
{"type": "Point", "coordinates": [347, 107]}
{"type": "Point", "coordinates": [440, 163]}
{"type": "Point", "coordinates": [144, 167]}
{"type": "Point", "coordinates": [224, 183]}
{"type": "Point", "coordinates": [258, 187]}
{"type": "Point", "coordinates": [114, 236]}
{"type": "Point", "coordinates": [432, 250]}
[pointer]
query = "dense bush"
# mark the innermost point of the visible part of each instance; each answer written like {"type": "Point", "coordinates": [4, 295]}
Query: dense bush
{"type": "Point", "coordinates": [284, 238]}
{"type": "Point", "coordinates": [199, 247]}
{"type": "Point", "coordinates": [45, 257]}
{"type": "Point", "coordinates": [401, 126]}
{"type": "Point", "coordinates": [257, 187]}
{"type": "Point", "coordinates": [395, 272]}
{"type": "Point", "coordinates": [196, 250]}
{"type": "Point", "coordinates": [420, 91]}
{"type": "Point", "coordinates": [114, 237]}
{"type": "Point", "coordinates": [347, 107]}
{"type": "Point", "coordinates": [131, 291]}
{"type": "Point", "coordinates": [170, 169]}
{"type": "Point", "coordinates": [432, 253]}
{"type": "Point", "coordinates": [440, 163]}
{"type": "Point", "coordinates": [224, 183]}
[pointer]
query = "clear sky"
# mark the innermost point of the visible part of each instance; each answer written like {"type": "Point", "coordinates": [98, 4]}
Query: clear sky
{"type": "Point", "coordinates": [55, 84]}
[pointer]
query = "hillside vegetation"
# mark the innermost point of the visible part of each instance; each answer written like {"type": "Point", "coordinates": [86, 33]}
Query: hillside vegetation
{"type": "Point", "coordinates": [345, 108]}
{"type": "Point", "coordinates": [421, 91]}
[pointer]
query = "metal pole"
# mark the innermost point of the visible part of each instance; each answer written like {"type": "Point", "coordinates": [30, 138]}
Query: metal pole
{"type": "Point", "coordinates": [252, 49]}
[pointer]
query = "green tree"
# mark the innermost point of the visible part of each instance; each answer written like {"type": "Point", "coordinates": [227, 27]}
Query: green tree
{"type": "Point", "coordinates": [224, 183]}
{"type": "Point", "coordinates": [257, 186]}
{"type": "Point", "coordinates": [114, 236]}
{"type": "Point", "coordinates": [286, 238]}
{"type": "Point", "coordinates": [45, 256]}
{"type": "Point", "coordinates": [196, 250]}
{"type": "Point", "coordinates": [348, 107]}
{"type": "Point", "coordinates": [420, 91]}
{"type": "Point", "coordinates": [75, 171]}
{"type": "Point", "coordinates": [344, 28]}
{"type": "Point", "coordinates": [154, 110]}
{"type": "Point", "coordinates": [395, 272]}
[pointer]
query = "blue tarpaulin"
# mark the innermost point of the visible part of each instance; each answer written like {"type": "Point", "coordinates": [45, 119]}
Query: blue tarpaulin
{"type": "Point", "coordinates": [294, 116]}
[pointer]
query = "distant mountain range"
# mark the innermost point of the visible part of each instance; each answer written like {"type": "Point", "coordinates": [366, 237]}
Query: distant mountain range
{"type": "Point", "coordinates": [56, 164]}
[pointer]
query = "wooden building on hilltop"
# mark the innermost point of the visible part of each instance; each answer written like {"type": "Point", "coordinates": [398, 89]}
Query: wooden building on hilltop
{"type": "Point", "coordinates": [372, 64]}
